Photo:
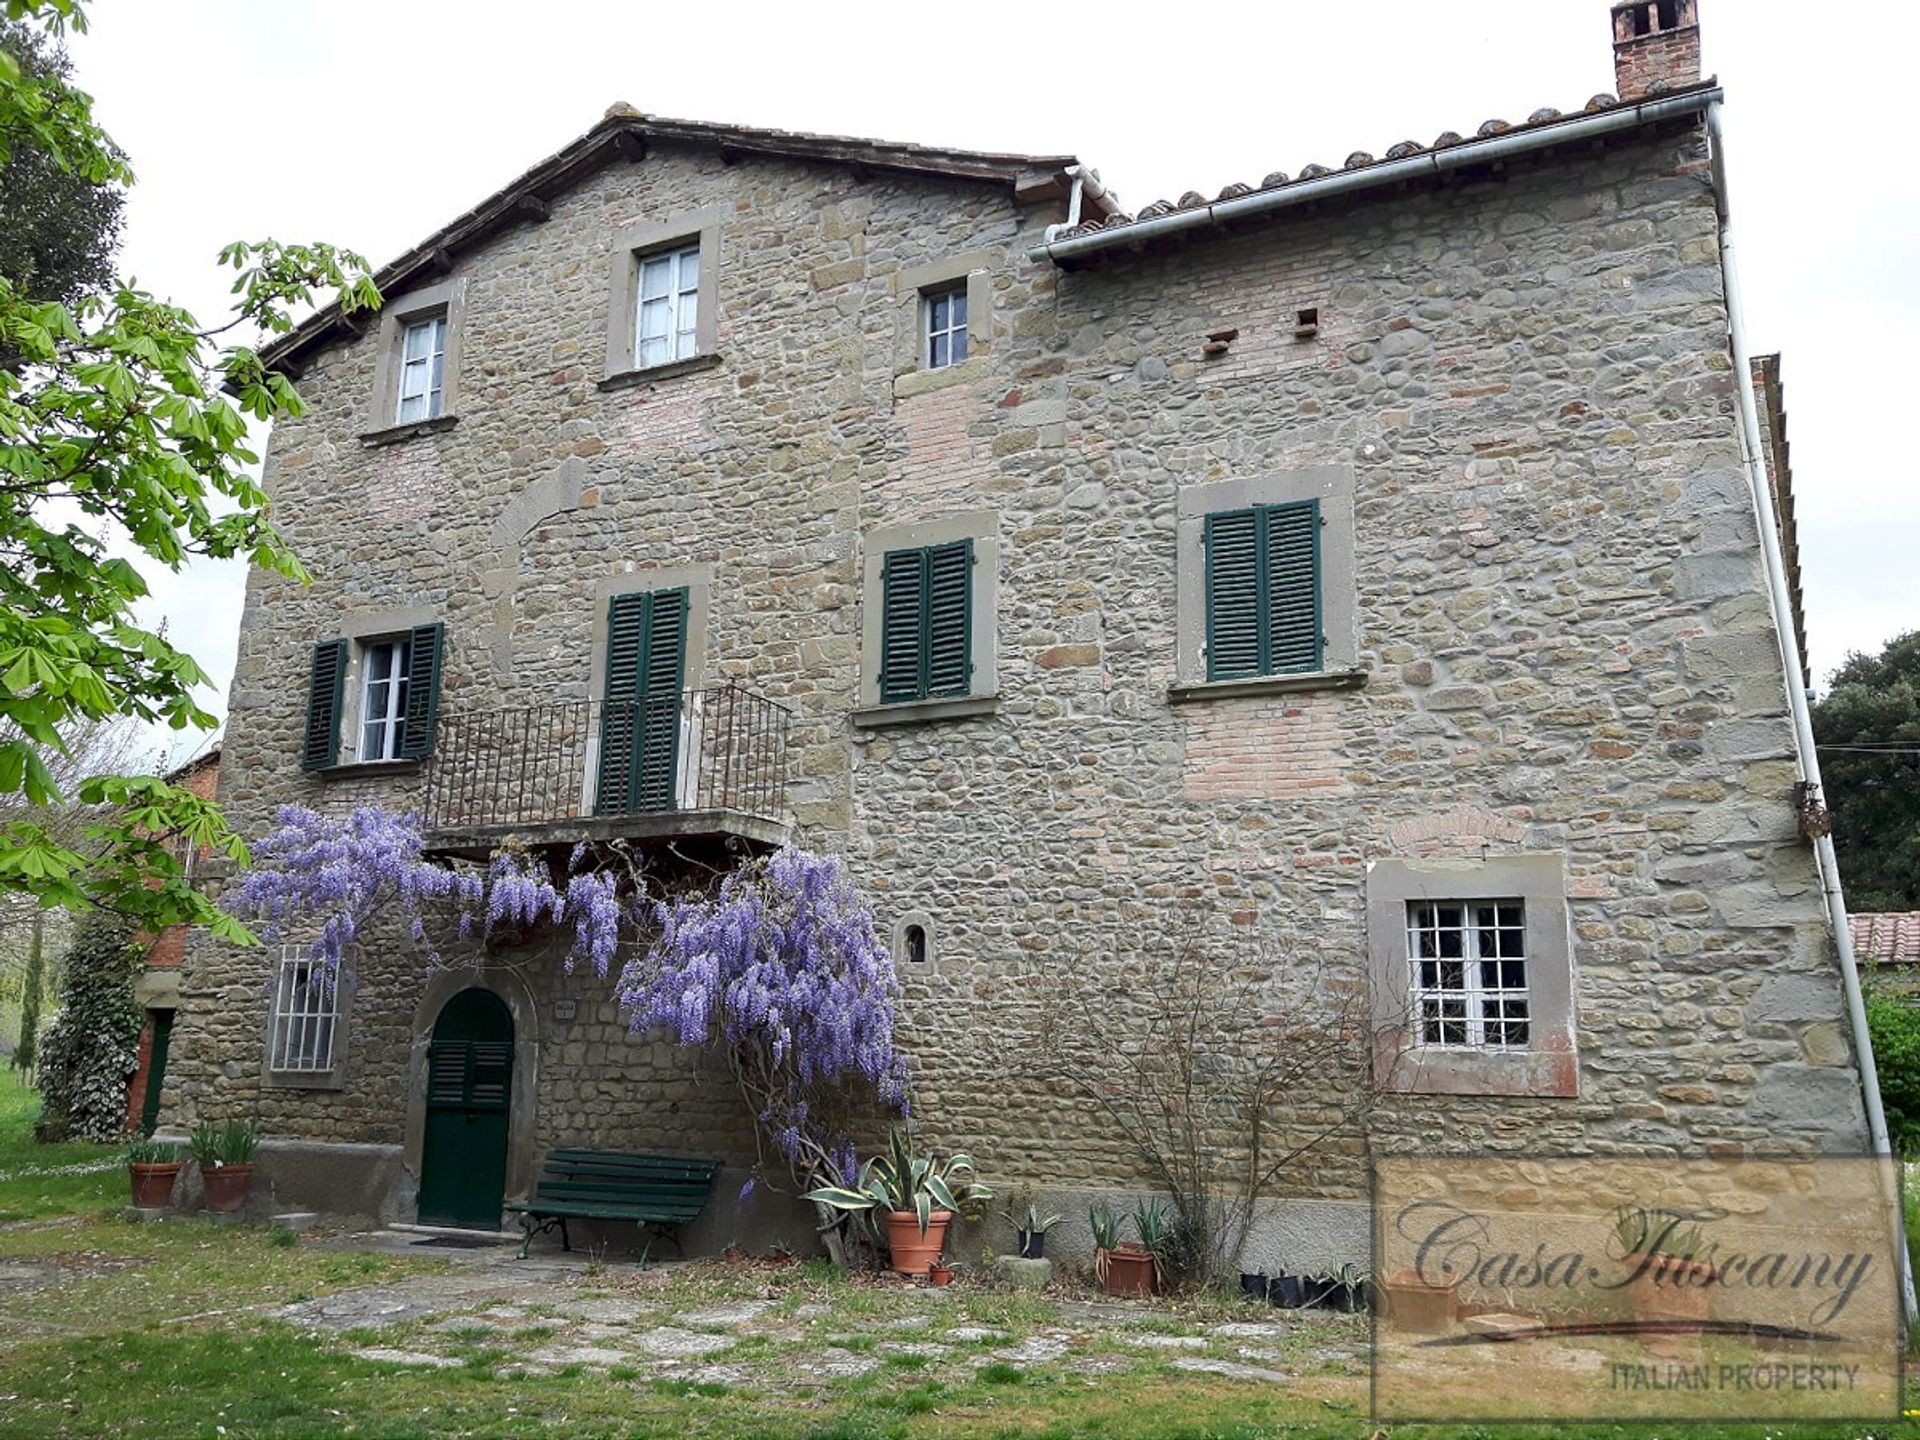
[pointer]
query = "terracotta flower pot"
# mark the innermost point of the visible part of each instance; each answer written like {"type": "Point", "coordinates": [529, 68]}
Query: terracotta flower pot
{"type": "Point", "coordinates": [226, 1186]}
{"type": "Point", "coordinates": [939, 1274]}
{"type": "Point", "coordinates": [1666, 1288]}
{"type": "Point", "coordinates": [1412, 1304]}
{"type": "Point", "coordinates": [153, 1184]}
{"type": "Point", "coordinates": [914, 1252]}
{"type": "Point", "coordinates": [1126, 1271]}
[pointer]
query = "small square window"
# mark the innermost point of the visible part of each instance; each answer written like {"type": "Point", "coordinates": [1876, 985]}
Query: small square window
{"type": "Point", "coordinates": [666, 324]}
{"type": "Point", "coordinates": [1469, 974]}
{"type": "Point", "coordinates": [385, 670]}
{"type": "Point", "coordinates": [945, 314]}
{"type": "Point", "coordinates": [306, 998]}
{"type": "Point", "coordinates": [423, 365]}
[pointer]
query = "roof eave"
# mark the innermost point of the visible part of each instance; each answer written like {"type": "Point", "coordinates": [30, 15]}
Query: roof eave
{"type": "Point", "coordinates": [626, 136]}
{"type": "Point", "coordinates": [1070, 250]}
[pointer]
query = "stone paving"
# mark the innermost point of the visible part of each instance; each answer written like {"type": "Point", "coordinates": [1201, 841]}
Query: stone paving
{"type": "Point", "coordinates": [693, 1324]}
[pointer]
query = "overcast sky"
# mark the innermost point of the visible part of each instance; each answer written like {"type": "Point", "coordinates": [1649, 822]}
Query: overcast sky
{"type": "Point", "coordinates": [372, 124]}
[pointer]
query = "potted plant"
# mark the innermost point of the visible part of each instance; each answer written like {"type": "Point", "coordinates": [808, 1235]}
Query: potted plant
{"type": "Point", "coordinates": [940, 1273]}
{"type": "Point", "coordinates": [1253, 1285]}
{"type": "Point", "coordinates": [224, 1154]}
{"type": "Point", "coordinates": [1350, 1289]}
{"type": "Point", "coordinates": [1320, 1292]}
{"type": "Point", "coordinates": [1286, 1292]}
{"type": "Point", "coordinates": [1417, 1305]}
{"type": "Point", "coordinates": [1125, 1267]}
{"type": "Point", "coordinates": [152, 1167]}
{"type": "Point", "coordinates": [1667, 1281]}
{"type": "Point", "coordinates": [1030, 1229]}
{"type": "Point", "coordinates": [916, 1196]}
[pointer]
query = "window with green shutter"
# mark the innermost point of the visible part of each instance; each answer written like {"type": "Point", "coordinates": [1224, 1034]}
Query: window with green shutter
{"type": "Point", "coordinates": [1263, 591]}
{"type": "Point", "coordinates": [926, 628]}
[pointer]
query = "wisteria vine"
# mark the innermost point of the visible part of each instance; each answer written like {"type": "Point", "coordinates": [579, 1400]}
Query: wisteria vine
{"type": "Point", "coordinates": [780, 970]}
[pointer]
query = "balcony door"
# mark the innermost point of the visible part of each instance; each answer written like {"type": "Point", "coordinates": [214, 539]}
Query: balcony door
{"type": "Point", "coordinates": [640, 719]}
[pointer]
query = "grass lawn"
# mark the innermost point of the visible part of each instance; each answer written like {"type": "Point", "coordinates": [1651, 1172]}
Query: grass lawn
{"type": "Point", "coordinates": [110, 1328]}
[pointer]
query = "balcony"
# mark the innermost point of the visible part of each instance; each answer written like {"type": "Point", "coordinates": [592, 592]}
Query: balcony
{"type": "Point", "coordinates": [695, 765]}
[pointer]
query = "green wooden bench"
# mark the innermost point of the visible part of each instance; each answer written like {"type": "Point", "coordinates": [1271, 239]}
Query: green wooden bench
{"type": "Point", "coordinates": [659, 1193]}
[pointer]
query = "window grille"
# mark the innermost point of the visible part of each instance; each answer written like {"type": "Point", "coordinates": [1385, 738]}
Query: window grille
{"type": "Point", "coordinates": [306, 997]}
{"type": "Point", "coordinates": [1469, 973]}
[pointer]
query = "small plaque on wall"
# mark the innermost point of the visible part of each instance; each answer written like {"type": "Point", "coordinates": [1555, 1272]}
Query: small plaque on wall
{"type": "Point", "coordinates": [563, 1010]}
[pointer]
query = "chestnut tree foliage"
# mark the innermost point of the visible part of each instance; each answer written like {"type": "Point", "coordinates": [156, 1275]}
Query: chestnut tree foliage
{"type": "Point", "coordinates": [777, 970]}
{"type": "Point", "coordinates": [123, 441]}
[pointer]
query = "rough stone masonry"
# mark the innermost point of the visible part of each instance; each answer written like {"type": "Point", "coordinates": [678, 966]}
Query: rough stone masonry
{"type": "Point", "coordinates": [1559, 641]}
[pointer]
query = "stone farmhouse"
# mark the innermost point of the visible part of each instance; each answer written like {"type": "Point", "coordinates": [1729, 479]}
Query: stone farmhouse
{"type": "Point", "coordinates": [1363, 563]}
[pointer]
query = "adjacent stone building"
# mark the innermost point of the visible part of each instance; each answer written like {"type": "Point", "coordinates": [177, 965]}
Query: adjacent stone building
{"type": "Point", "coordinates": [1359, 564]}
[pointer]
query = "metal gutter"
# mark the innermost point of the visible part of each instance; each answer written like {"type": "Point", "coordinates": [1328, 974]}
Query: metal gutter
{"type": "Point", "coordinates": [1808, 754]}
{"type": "Point", "coordinates": [1425, 165]}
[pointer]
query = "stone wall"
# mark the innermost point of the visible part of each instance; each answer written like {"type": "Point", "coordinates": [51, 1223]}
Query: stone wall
{"type": "Point", "coordinates": [1564, 636]}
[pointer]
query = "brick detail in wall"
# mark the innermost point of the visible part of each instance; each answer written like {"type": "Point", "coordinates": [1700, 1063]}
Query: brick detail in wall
{"type": "Point", "coordinates": [1280, 749]}
{"type": "Point", "coordinates": [943, 462]}
{"type": "Point", "coordinates": [672, 418]}
{"type": "Point", "coordinates": [137, 1087]}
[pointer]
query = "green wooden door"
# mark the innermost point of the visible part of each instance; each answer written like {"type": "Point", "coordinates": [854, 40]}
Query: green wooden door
{"type": "Point", "coordinates": [640, 720]}
{"type": "Point", "coordinates": [156, 1069]}
{"type": "Point", "coordinates": [463, 1166]}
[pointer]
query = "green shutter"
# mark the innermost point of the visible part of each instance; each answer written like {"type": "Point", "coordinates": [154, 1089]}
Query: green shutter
{"type": "Point", "coordinates": [663, 666]}
{"type": "Point", "coordinates": [1292, 554]}
{"type": "Point", "coordinates": [1263, 591]}
{"type": "Point", "coordinates": [926, 622]}
{"type": "Point", "coordinates": [423, 691]}
{"type": "Point", "coordinates": [326, 684]}
{"type": "Point", "coordinates": [949, 619]}
{"type": "Point", "coordinates": [640, 722]}
{"type": "Point", "coordinates": [903, 589]}
{"type": "Point", "coordinates": [1233, 595]}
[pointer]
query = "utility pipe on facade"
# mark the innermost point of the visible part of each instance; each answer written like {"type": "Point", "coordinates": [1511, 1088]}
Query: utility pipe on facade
{"type": "Point", "coordinates": [1808, 753]}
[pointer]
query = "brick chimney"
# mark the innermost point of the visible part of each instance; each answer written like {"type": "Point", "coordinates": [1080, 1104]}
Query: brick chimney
{"type": "Point", "coordinates": [1656, 46]}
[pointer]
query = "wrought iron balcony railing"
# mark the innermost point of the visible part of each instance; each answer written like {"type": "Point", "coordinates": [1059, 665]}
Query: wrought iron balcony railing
{"type": "Point", "coordinates": [720, 749]}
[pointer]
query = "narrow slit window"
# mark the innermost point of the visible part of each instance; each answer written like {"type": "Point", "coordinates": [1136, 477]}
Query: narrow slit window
{"type": "Point", "coordinates": [383, 701]}
{"type": "Point", "coordinates": [916, 946]}
{"type": "Point", "coordinates": [423, 367]}
{"type": "Point", "coordinates": [305, 1010]}
{"type": "Point", "coordinates": [946, 319]}
{"type": "Point", "coordinates": [1469, 963]}
{"type": "Point", "coordinates": [666, 327]}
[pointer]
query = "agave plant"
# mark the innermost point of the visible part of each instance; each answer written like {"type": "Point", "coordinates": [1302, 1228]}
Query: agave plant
{"type": "Point", "coordinates": [1033, 1222]}
{"type": "Point", "coordinates": [900, 1180]}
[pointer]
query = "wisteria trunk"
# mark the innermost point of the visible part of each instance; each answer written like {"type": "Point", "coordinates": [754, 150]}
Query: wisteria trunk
{"type": "Point", "coordinates": [833, 1233]}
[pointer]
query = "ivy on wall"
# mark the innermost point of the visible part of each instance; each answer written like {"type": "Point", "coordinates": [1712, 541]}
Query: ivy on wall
{"type": "Point", "coordinates": [89, 1054]}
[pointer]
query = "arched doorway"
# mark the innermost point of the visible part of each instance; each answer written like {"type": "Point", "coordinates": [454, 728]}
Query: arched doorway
{"type": "Point", "coordinates": [463, 1165]}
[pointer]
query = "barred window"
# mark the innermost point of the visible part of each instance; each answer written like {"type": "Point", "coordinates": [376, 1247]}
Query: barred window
{"type": "Point", "coordinates": [306, 1007]}
{"type": "Point", "coordinates": [1469, 973]}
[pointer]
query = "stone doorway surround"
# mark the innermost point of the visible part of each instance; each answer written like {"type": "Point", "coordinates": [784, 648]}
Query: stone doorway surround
{"type": "Point", "coordinates": [511, 986]}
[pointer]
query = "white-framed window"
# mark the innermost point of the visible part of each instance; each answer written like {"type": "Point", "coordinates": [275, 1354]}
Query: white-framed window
{"type": "Point", "coordinates": [1469, 973]}
{"type": "Point", "coordinates": [383, 698]}
{"type": "Point", "coordinates": [423, 367]}
{"type": "Point", "coordinates": [666, 326]}
{"type": "Point", "coordinates": [306, 1009]}
{"type": "Point", "coordinates": [945, 313]}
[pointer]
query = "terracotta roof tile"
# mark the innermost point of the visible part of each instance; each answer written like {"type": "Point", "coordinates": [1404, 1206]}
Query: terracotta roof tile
{"type": "Point", "coordinates": [1886, 935]}
{"type": "Point", "coordinates": [1361, 160]}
